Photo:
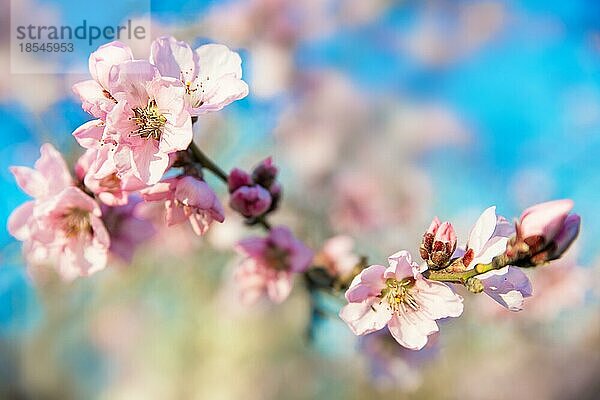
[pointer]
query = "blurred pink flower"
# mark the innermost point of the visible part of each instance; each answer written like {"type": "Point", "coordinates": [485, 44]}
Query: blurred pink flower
{"type": "Point", "coordinates": [96, 94]}
{"type": "Point", "coordinates": [270, 264]}
{"type": "Point", "coordinates": [187, 198]}
{"type": "Point", "coordinates": [401, 298]}
{"type": "Point", "coordinates": [211, 74]}
{"type": "Point", "coordinates": [337, 256]}
{"type": "Point", "coordinates": [150, 120]}
{"type": "Point", "coordinates": [62, 224]}
{"type": "Point", "coordinates": [127, 228]}
{"type": "Point", "coordinates": [99, 175]}
{"type": "Point", "coordinates": [251, 201]}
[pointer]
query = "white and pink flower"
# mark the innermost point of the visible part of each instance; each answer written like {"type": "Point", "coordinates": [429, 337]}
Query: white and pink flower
{"type": "Point", "coordinates": [211, 74]}
{"type": "Point", "coordinates": [96, 94]}
{"type": "Point", "coordinates": [509, 286]}
{"type": "Point", "coordinates": [401, 298]}
{"type": "Point", "coordinates": [62, 224]}
{"type": "Point", "coordinates": [150, 120]}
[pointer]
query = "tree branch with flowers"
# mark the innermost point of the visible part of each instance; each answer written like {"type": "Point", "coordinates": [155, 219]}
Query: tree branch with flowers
{"type": "Point", "coordinates": [140, 148]}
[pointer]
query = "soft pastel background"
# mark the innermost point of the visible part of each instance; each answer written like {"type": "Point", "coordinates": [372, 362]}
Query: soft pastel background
{"type": "Point", "coordinates": [381, 114]}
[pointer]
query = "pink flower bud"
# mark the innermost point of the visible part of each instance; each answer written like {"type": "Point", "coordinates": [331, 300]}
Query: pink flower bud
{"type": "Point", "coordinates": [444, 245]}
{"type": "Point", "coordinates": [543, 221]}
{"type": "Point", "coordinates": [428, 237]}
{"type": "Point", "coordinates": [264, 174]}
{"type": "Point", "coordinates": [250, 201]}
{"type": "Point", "coordinates": [438, 244]}
{"type": "Point", "coordinates": [567, 235]}
{"type": "Point", "coordinates": [544, 232]}
{"type": "Point", "coordinates": [238, 178]}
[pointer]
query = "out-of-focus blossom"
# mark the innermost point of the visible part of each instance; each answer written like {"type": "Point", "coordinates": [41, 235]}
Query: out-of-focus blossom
{"type": "Point", "coordinates": [488, 238]}
{"type": "Point", "coordinates": [127, 228]}
{"type": "Point", "coordinates": [270, 264]}
{"type": "Point", "coordinates": [187, 199]}
{"type": "Point", "coordinates": [96, 94]}
{"type": "Point", "coordinates": [150, 120]}
{"type": "Point", "coordinates": [211, 74]}
{"type": "Point", "coordinates": [255, 194]}
{"type": "Point", "coordinates": [544, 232]}
{"type": "Point", "coordinates": [337, 256]}
{"type": "Point", "coordinates": [251, 201]}
{"type": "Point", "coordinates": [393, 366]}
{"type": "Point", "coordinates": [94, 170]}
{"type": "Point", "coordinates": [62, 224]}
{"type": "Point", "coordinates": [401, 298]}
{"type": "Point", "coordinates": [438, 244]}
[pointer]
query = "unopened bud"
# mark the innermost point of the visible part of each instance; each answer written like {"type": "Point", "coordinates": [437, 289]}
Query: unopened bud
{"type": "Point", "coordinates": [264, 174]}
{"type": "Point", "coordinates": [250, 201]}
{"type": "Point", "coordinates": [438, 244]}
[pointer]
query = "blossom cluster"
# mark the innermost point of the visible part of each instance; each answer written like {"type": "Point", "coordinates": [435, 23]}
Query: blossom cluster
{"type": "Point", "coordinates": [139, 150]}
{"type": "Point", "coordinates": [142, 130]}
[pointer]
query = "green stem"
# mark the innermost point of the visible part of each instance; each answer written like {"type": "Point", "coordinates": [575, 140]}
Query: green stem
{"type": "Point", "coordinates": [462, 276]}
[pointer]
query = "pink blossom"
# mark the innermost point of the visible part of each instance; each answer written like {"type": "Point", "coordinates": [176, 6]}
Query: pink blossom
{"type": "Point", "coordinates": [49, 176]}
{"type": "Point", "coordinates": [401, 298]}
{"type": "Point", "coordinates": [187, 199]}
{"type": "Point", "coordinates": [250, 201]}
{"type": "Point", "coordinates": [150, 120]}
{"type": "Point", "coordinates": [211, 74]}
{"type": "Point", "coordinates": [488, 238]}
{"type": "Point", "coordinates": [109, 187]}
{"type": "Point", "coordinates": [337, 256]}
{"type": "Point", "coordinates": [238, 178]}
{"type": "Point", "coordinates": [544, 219]}
{"type": "Point", "coordinates": [96, 94]}
{"type": "Point", "coordinates": [544, 232]}
{"type": "Point", "coordinates": [270, 264]}
{"type": "Point", "coordinates": [62, 224]}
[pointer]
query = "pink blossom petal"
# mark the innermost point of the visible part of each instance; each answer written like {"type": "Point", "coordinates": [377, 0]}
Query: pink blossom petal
{"type": "Point", "coordinates": [280, 288]}
{"type": "Point", "coordinates": [401, 266]}
{"type": "Point", "coordinates": [18, 221]}
{"type": "Point", "coordinates": [482, 230]}
{"type": "Point", "coordinates": [173, 58]}
{"type": "Point", "coordinates": [30, 181]}
{"type": "Point", "coordinates": [366, 317]}
{"type": "Point", "coordinates": [508, 286]}
{"type": "Point", "coordinates": [368, 283]}
{"type": "Point", "coordinates": [102, 60]}
{"type": "Point", "coordinates": [93, 98]}
{"type": "Point", "coordinates": [89, 135]}
{"type": "Point", "coordinates": [410, 329]}
{"type": "Point", "coordinates": [53, 167]}
{"type": "Point", "coordinates": [437, 300]}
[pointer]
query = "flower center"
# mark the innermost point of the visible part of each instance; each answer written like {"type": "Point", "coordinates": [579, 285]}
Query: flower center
{"type": "Point", "coordinates": [277, 258]}
{"type": "Point", "coordinates": [76, 221]}
{"type": "Point", "coordinates": [195, 90]}
{"type": "Point", "coordinates": [398, 294]}
{"type": "Point", "coordinates": [149, 120]}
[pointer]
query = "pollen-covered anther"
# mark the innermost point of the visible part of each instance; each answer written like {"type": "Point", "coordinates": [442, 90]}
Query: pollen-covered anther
{"type": "Point", "coordinates": [75, 222]}
{"type": "Point", "coordinates": [150, 121]}
{"type": "Point", "coordinates": [398, 294]}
